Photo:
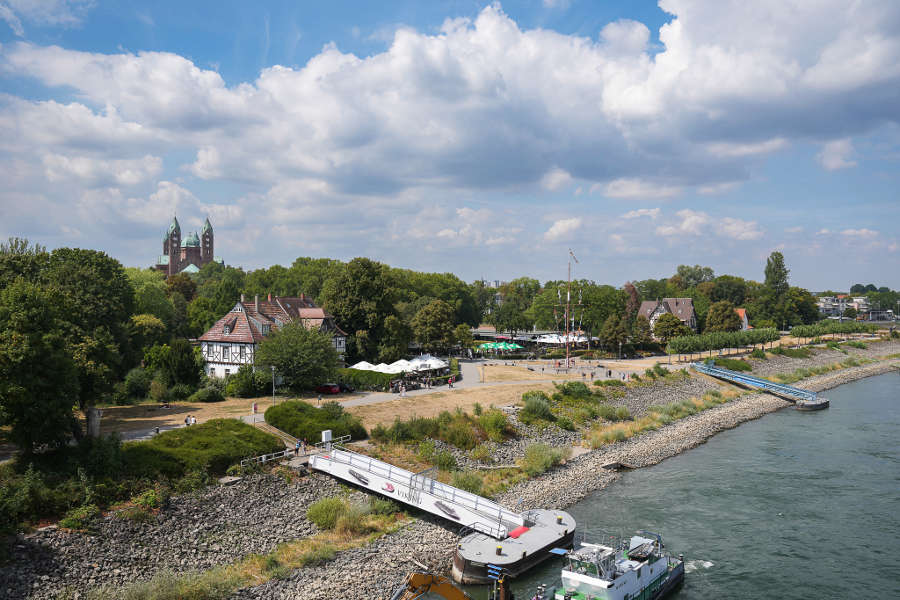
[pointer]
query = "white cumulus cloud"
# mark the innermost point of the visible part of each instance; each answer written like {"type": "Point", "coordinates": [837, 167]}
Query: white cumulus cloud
{"type": "Point", "coordinates": [562, 228]}
{"type": "Point", "coordinates": [836, 155]}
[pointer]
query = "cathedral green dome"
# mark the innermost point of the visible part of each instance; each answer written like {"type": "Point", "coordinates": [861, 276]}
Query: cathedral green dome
{"type": "Point", "coordinates": [191, 240]}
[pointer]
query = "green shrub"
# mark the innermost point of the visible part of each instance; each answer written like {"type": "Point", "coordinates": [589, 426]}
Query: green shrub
{"type": "Point", "coordinates": [426, 450]}
{"type": "Point", "coordinates": [733, 364]}
{"type": "Point", "coordinates": [383, 506]}
{"type": "Point", "coordinates": [574, 389]}
{"type": "Point", "coordinates": [792, 352]}
{"type": "Point", "coordinates": [317, 556]}
{"type": "Point", "coordinates": [353, 520]}
{"type": "Point", "coordinates": [660, 370]}
{"type": "Point", "coordinates": [537, 407]}
{"type": "Point", "coordinates": [326, 512]}
{"type": "Point", "coordinates": [494, 423]}
{"type": "Point", "coordinates": [80, 518]}
{"type": "Point", "coordinates": [635, 377]}
{"type": "Point", "coordinates": [468, 480]}
{"type": "Point", "coordinates": [304, 421]}
{"type": "Point", "coordinates": [247, 383]}
{"type": "Point", "coordinates": [481, 453]}
{"type": "Point", "coordinates": [477, 410]}
{"type": "Point", "coordinates": [365, 380]}
{"type": "Point", "coordinates": [149, 499]}
{"type": "Point", "coordinates": [135, 514]}
{"type": "Point", "coordinates": [539, 458]}
{"type": "Point", "coordinates": [180, 392]}
{"type": "Point", "coordinates": [609, 383]}
{"type": "Point", "coordinates": [613, 413]}
{"type": "Point", "coordinates": [758, 353]}
{"type": "Point", "coordinates": [137, 383]}
{"type": "Point", "coordinates": [856, 344]}
{"type": "Point", "coordinates": [444, 460]}
{"type": "Point", "coordinates": [459, 433]}
{"type": "Point", "coordinates": [209, 394]}
{"type": "Point", "coordinates": [565, 422]}
{"type": "Point", "coordinates": [214, 446]}
{"type": "Point", "coordinates": [158, 390]}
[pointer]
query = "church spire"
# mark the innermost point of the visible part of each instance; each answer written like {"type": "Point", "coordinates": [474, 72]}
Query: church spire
{"type": "Point", "coordinates": [206, 226]}
{"type": "Point", "coordinates": [174, 226]}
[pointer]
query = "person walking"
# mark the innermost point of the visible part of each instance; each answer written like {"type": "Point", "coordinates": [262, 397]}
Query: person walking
{"type": "Point", "coordinates": [297, 448]}
{"type": "Point", "coordinates": [187, 420]}
{"type": "Point", "coordinates": [402, 391]}
{"type": "Point", "coordinates": [193, 420]}
{"type": "Point", "coordinates": [450, 381]}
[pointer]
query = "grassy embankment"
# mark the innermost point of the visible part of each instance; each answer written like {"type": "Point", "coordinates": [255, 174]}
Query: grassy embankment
{"type": "Point", "coordinates": [97, 474]}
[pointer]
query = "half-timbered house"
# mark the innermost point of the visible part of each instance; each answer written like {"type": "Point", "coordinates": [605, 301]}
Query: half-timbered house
{"type": "Point", "coordinates": [233, 339]}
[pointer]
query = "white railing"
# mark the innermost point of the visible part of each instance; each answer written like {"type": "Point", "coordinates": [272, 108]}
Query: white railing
{"type": "Point", "coordinates": [388, 471]}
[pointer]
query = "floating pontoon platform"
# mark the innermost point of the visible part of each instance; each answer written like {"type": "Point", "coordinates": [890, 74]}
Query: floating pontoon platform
{"type": "Point", "coordinates": [802, 399]}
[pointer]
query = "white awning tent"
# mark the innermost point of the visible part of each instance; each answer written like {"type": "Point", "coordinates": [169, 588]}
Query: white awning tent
{"type": "Point", "coordinates": [555, 338]}
{"type": "Point", "coordinates": [425, 362]}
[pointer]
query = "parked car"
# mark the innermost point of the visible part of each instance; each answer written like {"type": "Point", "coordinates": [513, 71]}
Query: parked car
{"type": "Point", "coordinates": [345, 387]}
{"type": "Point", "coordinates": [328, 388]}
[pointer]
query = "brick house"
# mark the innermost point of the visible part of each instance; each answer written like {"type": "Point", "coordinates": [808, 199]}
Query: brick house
{"type": "Point", "coordinates": [233, 339]}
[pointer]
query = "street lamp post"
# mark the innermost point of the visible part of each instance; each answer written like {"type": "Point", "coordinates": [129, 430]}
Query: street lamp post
{"type": "Point", "coordinates": [273, 385]}
{"type": "Point", "coordinates": [620, 350]}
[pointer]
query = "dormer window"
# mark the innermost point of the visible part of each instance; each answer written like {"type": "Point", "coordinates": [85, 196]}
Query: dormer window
{"type": "Point", "coordinates": [266, 329]}
{"type": "Point", "coordinates": [226, 329]}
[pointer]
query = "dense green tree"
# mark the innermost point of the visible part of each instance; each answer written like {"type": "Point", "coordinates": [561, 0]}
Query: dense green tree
{"type": "Point", "coordinates": [38, 378]}
{"type": "Point", "coordinates": [462, 335]}
{"type": "Point", "coordinates": [151, 299]}
{"type": "Point", "coordinates": [601, 302]}
{"type": "Point", "coordinates": [139, 277]}
{"type": "Point", "coordinates": [614, 332]}
{"type": "Point", "coordinates": [669, 326]}
{"type": "Point", "coordinates": [19, 258]}
{"type": "Point", "coordinates": [312, 273]}
{"type": "Point", "coordinates": [432, 326]}
{"type": "Point", "coordinates": [693, 276]}
{"type": "Point", "coordinates": [146, 331]}
{"type": "Point", "coordinates": [181, 323]}
{"type": "Point", "coordinates": [177, 362]}
{"type": "Point", "coordinates": [394, 343]}
{"type": "Point", "coordinates": [201, 314]}
{"type": "Point", "coordinates": [722, 317]}
{"type": "Point", "coordinates": [849, 313]}
{"type": "Point", "coordinates": [181, 283]}
{"type": "Point", "coordinates": [484, 299]}
{"type": "Point", "coordinates": [302, 357]}
{"type": "Point", "coordinates": [728, 287]}
{"type": "Point", "coordinates": [360, 298]}
{"type": "Point", "coordinates": [777, 275]}
{"type": "Point", "coordinates": [641, 333]}
{"type": "Point", "coordinates": [509, 317]}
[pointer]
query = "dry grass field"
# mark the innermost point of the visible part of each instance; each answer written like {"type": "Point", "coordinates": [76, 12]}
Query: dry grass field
{"type": "Point", "coordinates": [500, 373]}
{"type": "Point", "coordinates": [431, 404]}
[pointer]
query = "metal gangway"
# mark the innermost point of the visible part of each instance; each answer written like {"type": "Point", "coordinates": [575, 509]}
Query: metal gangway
{"type": "Point", "coordinates": [779, 389]}
{"type": "Point", "coordinates": [417, 490]}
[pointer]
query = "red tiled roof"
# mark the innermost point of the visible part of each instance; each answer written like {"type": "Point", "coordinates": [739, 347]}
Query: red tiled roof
{"type": "Point", "coordinates": [240, 329]}
{"type": "Point", "coordinates": [742, 312]}
{"type": "Point", "coordinates": [274, 311]}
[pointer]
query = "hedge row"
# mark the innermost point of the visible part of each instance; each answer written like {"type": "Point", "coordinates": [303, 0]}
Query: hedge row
{"type": "Point", "coordinates": [366, 380]}
{"type": "Point", "coordinates": [717, 340]}
{"type": "Point", "coordinates": [827, 327]}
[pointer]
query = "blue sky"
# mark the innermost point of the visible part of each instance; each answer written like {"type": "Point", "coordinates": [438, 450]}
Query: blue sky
{"type": "Point", "coordinates": [483, 139]}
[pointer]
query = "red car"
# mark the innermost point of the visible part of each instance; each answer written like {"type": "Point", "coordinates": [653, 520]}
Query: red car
{"type": "Point", "coordinates": [328, 388]}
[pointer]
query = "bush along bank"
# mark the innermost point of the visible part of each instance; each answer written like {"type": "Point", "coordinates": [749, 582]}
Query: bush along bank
{"type": "Point", "coordinates": [306, 422]}
{"type": "Point", "coordinates": [97, 473]}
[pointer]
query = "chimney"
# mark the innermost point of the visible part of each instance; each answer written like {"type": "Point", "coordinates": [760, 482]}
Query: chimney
{"type": "Point", "coordinates": [242, 298]}
{"type": "Point", "coordinates": [270, 296]}
{"type": "Point", "coordinates": [256, 302]}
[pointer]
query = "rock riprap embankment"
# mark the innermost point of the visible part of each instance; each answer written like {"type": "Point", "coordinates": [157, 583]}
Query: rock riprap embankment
{"type": "Point", "coordinates": [195, 531]}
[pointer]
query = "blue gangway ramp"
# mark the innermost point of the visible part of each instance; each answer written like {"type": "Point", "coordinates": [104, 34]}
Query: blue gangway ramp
{"type": "Point", "coordinates": [804, 397]}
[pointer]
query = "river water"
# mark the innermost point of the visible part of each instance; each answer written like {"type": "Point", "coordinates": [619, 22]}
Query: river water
{"type": "Point", "coordinates": [792, 505]}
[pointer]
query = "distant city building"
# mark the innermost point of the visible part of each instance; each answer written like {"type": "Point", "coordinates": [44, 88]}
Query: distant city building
{"type": "Point", "coordinates": [232, 341]}
{"type": "Point", "coordinates": [188, 255]}
{"type": "Point", "coordinates": [683, 308]}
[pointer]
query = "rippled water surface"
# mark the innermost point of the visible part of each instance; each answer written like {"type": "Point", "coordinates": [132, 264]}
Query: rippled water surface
{"type": "Point", "coordinates": [793, 505]}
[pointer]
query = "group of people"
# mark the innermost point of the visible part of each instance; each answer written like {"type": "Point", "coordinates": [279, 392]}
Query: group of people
{"type": "Point", "coordinates": [298, 446]}
{"type": "Point", "coordinates": [190, 420]}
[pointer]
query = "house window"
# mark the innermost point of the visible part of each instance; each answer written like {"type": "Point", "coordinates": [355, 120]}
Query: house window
{"type": "Point", "coordinates": [212, 372]}
{"type": "Point", "coordinates": [226, 329]}
{"type": "Point", "coordinates": [227, 372]}
{"type": "Point", "coordinates": [266, 329]}
{"type": "Point", "coordinates": [225, 352]}
{"type": "Point", "coordinates": [209, 350]}
{"type": "Point", "coordinates": [243, 350]}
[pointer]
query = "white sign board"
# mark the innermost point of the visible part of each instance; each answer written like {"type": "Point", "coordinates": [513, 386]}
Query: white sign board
{"type": "Point", "coordinates": [326, 435]}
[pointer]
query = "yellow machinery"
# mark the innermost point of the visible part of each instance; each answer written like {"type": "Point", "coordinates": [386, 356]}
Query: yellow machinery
{"type": "Point", "coordinates": [417, 585]}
